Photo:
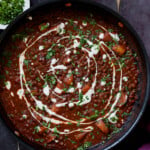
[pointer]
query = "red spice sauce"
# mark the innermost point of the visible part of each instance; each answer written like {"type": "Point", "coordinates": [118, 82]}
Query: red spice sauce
{"type": "Point", "coordinates": [68, 79]}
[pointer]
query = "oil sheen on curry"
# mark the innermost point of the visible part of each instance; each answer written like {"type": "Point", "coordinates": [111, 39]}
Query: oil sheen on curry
{"type": "Point", "coordinates": [69, 79]}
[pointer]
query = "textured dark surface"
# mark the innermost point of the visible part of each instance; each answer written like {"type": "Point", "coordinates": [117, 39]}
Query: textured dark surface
{"type": "Point", "coordinates": [137, 12]}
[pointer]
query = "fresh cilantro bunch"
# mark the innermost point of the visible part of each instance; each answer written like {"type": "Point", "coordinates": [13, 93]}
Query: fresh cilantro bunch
{"type": "Point", "coordinates": [9, 9]}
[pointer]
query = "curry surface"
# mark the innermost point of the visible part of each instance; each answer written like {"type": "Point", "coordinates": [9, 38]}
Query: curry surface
{"type": "Point", "coordinates": [69, 79]}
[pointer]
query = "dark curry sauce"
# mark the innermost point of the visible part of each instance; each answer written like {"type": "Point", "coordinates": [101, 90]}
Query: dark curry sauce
{"type": "Point", "coordinates": [69, 79]}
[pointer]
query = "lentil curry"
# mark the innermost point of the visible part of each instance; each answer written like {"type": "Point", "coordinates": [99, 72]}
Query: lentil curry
{"type": "Point", "coordinates": [69, 79]}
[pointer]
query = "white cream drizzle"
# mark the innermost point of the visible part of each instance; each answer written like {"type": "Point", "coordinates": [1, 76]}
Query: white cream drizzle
{"type": "Point", "coordinates": [24, 116]}
{"type": "Point", "coordinates": [41, 47]}
{"type": "Point", "coordinates": [53, 68]}
{"type": "Point", "coordinates": [58, 90]}
{"type": "Point", "coordinates": [20, 93]}
{"type": "Point", "coordinates": [104, 56]}
{"type": "Point", "coordinates": [87, 80]}
{"type": "Point", "coordinates": [61, 104]}
{"type": "Point", "coordinates": [101, 35]}
{"type": "Point", "coordinates": [71, 105]}
{"type": "Point", "coordinates": [60, 28]}
{"type": "Point", "coordinates": [86, 97]}
{"type": "Point", "coordinates": [94, 50]}
{"type": "Point", "coordinates": [12, 94]}
{"type": "Point", "coordinates": [54, 100]}
{"type": "Point", "coordinates": [76, 44]}
{"type": "Point", "coordinates": [113, 118]}
{"type": "Point", "coordinates": [125, 79]}
{"type": "Point", "coordinates": [71, 90]}
{"type": "Point", "coordinates": [84, 24]}
{"type": "Point", "coordinates": [68, 60]}
{"type": "Point", "coordinates": [79, 85]}
{"type": "Point", "coordinates": [46, 90]}
{"type": "Point", "coordinates": [68, 52]}
{"type": "Point", "coordinates": [8, 85]}
{"type": "Point", "coordinates": [114, 36]}
{"type": "Point", "coordinates": [103, 83]}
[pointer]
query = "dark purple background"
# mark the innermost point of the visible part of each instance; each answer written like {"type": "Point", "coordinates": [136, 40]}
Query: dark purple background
{"type": "Point", "coordinates": [137, 12]}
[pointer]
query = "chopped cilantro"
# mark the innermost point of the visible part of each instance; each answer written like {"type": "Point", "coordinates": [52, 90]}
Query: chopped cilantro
{"type": "Point", "coordinates": [44, 26]}
{"type": "Point", "coordinates": [69, 123]}
{"type": "Point", "coordinates": [110, 30]}
{"type": "Point", "coordinates": [84, 146]}
{"type": "Point", "coordinates": [9, 9]}
{"type": "Point", "coordinates": [50, 53]}
{"type": "Point", "coordinates": [50, 79]}
{"type": "Point", "coordinates": [80, 97]}
{"type": "Point", "coordinates": [99, 90]}
{"type": "Point", "coordinates": [26, 62]}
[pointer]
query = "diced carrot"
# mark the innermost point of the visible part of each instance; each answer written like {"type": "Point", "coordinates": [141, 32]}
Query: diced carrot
{"type": "Point", "coordinates": [122, 100]}
{"type": "Point", "coordinates": [68, 80]}
{"type": "Point", "coordinates": [120, 24]}
{"type": "Point", "coordinates": [85, 88]}
{"type": "Point", "coordinates": [120, 49]}
{"type": "Point", "coordinates": [60, 85]}
{"type": "Point", "coordinates": [42, 129]}
{"type": "Point", "coordinates": [50, 138]}
{"type": "Point", "coordinates": [80, 136]}
{"type": "Point", "coordinates": [102, 126]}
{"type": "Point", "coordinates": [107, 37]}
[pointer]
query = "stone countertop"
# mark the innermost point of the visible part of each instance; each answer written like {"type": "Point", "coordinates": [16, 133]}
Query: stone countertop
{"type": "Point", "coordinates": [137, 12]}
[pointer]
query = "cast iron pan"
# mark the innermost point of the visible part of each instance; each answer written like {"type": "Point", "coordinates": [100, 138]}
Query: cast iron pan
{"type": "Point", "coordinates": [144, 66]}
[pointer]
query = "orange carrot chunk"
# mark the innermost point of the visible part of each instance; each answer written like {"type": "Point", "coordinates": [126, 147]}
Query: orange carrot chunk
{"type": "Point", "coordinates": [42, 129]}
{"type": "Point", "coordinates": [60, 85]}
{"type": "Point", "coordinates": [85, 88]}
{"type": "Point", "coordinates": [123, 99]}
{"type": "Point", "coordinates": [54, 108]}
{"type": "Point", "coordinates": [102, 126]}
{"type": "Point", "coordinates": [120, 49]}
{"type": "Point", "coordinates": [68, 80]}
{"type": "Point", "coordinates": [107, 37]}
{"type": "Point", "coordinates": [50, 138]}
{"type": "Point", "coordinates": [80, 136]}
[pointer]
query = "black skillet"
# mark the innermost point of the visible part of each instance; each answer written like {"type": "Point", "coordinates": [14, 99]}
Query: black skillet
{"type": "Point", "coordinates": [144, 86]}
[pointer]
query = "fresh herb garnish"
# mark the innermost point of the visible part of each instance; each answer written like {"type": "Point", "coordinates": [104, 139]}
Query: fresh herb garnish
{"type": "Point", "coordinates": [26, 62]}
{"type": "Point", "coordinates": [84, 146]}
{"type": "Point", "coordinates": [9, 9]}
{"type": "Point", "coordinates": [80, 97]}
{"type": "Point", "coordinates": [99, 90]}
{"type": "Point", "coordinates": [110, 30]}
{"type": "Point", "coordinates": [44, 26]}
{"type": "Point", "coordinates": [50, 79]}
{"type": "Point", "coordinates": [50, 54]}
{"type": "Point", "coordinates": [93, 117]}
